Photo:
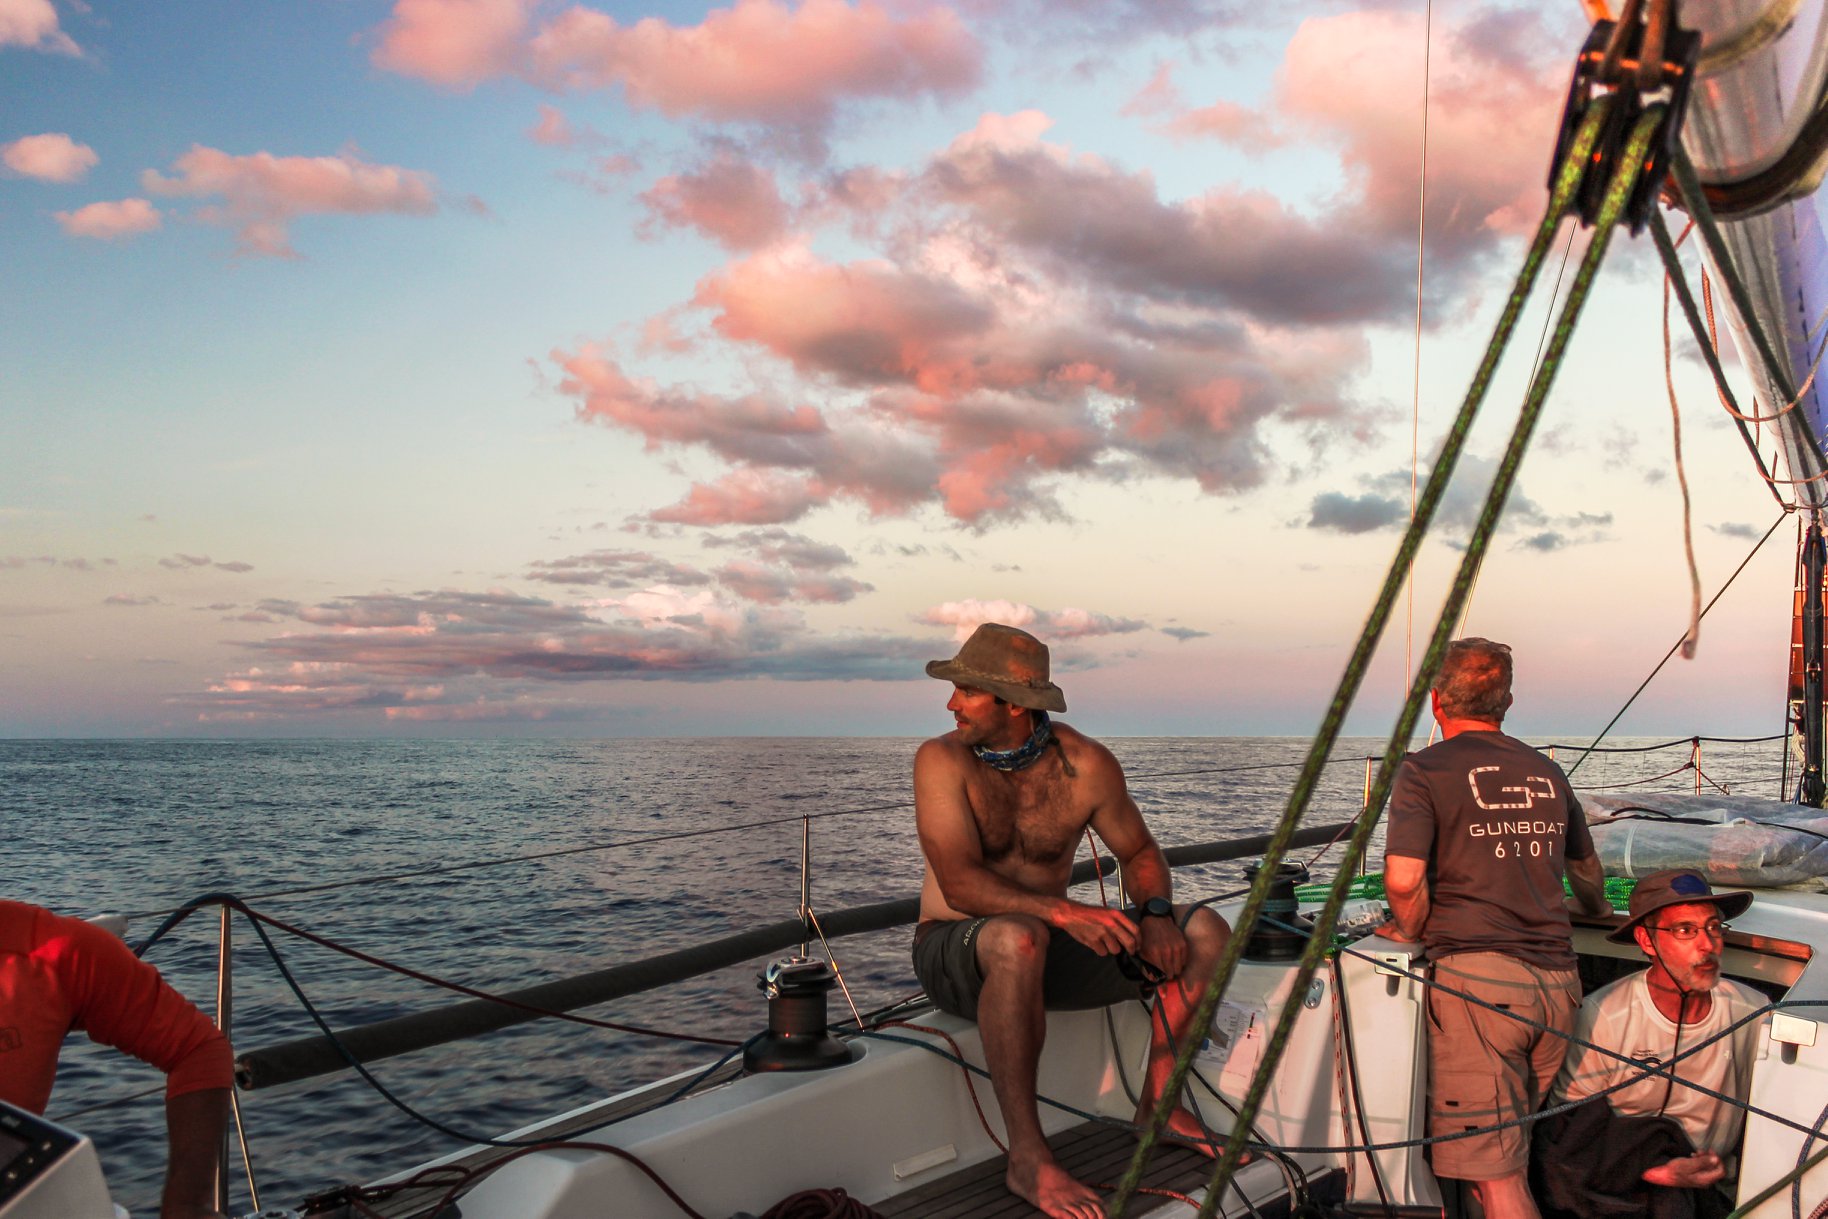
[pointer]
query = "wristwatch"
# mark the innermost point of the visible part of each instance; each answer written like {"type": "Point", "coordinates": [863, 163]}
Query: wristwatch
{"type": "Point", "coordinates": [1158, 907]}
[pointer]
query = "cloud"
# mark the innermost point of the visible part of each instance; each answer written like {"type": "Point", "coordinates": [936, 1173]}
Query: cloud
{"type": "Point", "coordinates": [781, 546]}
{"type": "Point", "coordinates": [1738, 529]}
{"type": "Point", "coordinates": [261, 194]}
{"type": "Point", "coordinates": [16, 561]}
{"type": "Point", "coordinates": [1354, 78]}
{"type": "Point", "coordinates": [236, 566]}
{"type": "Point", "coordinates": [131, 601]}
{"type": "Point", "coordinates": [730, 200]}
{"type": "Point", "coordinates": [115, 220]}
{"type": "Point", "coordinates": [455, 43]}
{"type": "Point", "coordinates": [1239, 126]}
{"type": "Point", "coordinates": [966, 616]}
{"type": "Point", "coordinates": [363, 655]}
{"type": "Point", "coordinates": [552, 130]}
{"type": "Point", "coordinates": [51, 157]}
{"type": "Point", "coordinates": [181, 562]}
{"type": "Point", "coordinates": [768, 585]}
{"type": "Point", "coordinates": [1240, 248]}
{"type": "Point", "coordinates": [1184, 633]}
{"type": "Point", "coordinates": [616, 569]}
{"type": "Point", "coordinates": [757, 61]}
{"type": "Point", "coordinates": [33, 24]}
{"type": "Point", "coordinates": [1037, 316]}
{"type": "Point", "coordinates": [1385, 505]}
{"type": "Point", "coordinates": [1343, 513]}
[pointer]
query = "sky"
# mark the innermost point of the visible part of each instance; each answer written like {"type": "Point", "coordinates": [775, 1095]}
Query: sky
{"type": "Point", "coordinates": [511, 367]}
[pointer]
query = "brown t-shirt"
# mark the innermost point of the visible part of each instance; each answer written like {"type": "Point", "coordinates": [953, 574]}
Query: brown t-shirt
{"type": "Point", "coordinates": [1496, 821]}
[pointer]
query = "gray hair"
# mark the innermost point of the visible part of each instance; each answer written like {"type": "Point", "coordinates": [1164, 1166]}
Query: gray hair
{"type": "Point", "coordinates": [1475, 680]}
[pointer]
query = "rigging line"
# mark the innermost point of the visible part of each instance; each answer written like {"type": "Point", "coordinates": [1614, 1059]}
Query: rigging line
{"type": "Point", "coordinates": [1568, 176]}
{"type": "Point", "coordinates": [1618, 189]}
{"type": "Point", "coordinates": [1421, 248]}
{"type": "Point", "coordinates": [835, 968]}
{"type": "Point", "coordinates": [1692, 639]}
{"type": "Point", "coordinates": [1694, 199]}
{"type": "Point", "coordinates": [1672, 648]}
{"type": "Point", "coordinates": [445, 869]}
{"type": "Point", "coordinates": [1659, 232]}
{"type": "Point", "coordinates": [1684, 742]}
{"type": "Point", "coordinates": [233, 903]}
{"type": "Point", "coordinates": [1815, 364]}
{"type": "Point", "coordinates": [1548, 319]}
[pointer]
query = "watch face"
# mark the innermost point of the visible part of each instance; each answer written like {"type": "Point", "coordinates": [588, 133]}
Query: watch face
{"type": "Point", "coordinates": [1158, 907]}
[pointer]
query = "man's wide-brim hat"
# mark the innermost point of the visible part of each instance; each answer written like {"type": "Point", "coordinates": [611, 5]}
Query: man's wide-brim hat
{"type": "Point", "coordinates": [1677, 887]}
{"type": "Point", "coordinates": [1010, 663]}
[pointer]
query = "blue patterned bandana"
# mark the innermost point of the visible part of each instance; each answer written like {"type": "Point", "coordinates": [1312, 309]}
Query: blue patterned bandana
{"type": "Point", "coordinates": [1022, 756]}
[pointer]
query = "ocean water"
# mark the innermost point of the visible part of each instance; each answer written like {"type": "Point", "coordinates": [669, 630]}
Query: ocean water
{"type": "Point", "coordinates": [689, 840]}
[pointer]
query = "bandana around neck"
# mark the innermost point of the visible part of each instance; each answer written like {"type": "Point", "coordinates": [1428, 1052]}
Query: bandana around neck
{"type": "Point", "coordinates": [1022, 756]}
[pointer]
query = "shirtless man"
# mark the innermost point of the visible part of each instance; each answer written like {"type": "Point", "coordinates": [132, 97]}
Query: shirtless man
{"type": "Point", "coordinates": [1001, 803]}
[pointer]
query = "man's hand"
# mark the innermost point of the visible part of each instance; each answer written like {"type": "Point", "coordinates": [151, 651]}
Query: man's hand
{"type": "Point", "coordinates": [1689, 1172]}
{"type": "Point", "coordinates": [1163, 946]}
{"type": "Point", "coordinates": [1390, 930]}
{"type": "Point", "coordinates": [1103, 930]}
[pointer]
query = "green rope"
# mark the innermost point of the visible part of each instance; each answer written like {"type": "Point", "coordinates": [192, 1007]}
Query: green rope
{"type": "Point", "coordinates": [1567, 181]}
{"type": "Point", "coordinates": [1618, 191]}
{"type": "Point", "coordinates": [1776, 1187]}
{"type": "Point", "coordinates": [1672, 266]}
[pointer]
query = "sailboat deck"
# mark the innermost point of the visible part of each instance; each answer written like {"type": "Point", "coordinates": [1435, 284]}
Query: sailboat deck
{"type": "Point", "coordinates": [1094, 1152]}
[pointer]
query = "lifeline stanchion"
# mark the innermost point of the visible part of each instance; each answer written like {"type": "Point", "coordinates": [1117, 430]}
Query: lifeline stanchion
{"type": "Point", "coordinates": [1567, 182]}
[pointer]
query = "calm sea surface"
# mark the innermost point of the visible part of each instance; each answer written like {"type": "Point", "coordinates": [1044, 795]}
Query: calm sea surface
{"type": "Point", "coordinates": [139, 827]}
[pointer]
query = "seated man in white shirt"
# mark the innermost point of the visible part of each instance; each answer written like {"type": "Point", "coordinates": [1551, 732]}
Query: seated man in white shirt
{"type": "Point", "coordinates": [1651, 1017]}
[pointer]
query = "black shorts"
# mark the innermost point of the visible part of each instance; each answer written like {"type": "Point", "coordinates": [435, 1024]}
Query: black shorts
{"type": "Point", "coordinates": [1075, 977]}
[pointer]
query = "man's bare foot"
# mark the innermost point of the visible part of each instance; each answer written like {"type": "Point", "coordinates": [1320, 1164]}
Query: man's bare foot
{"type": "Point", "coordinates": [1052, 1191]}
{"type": "Point", "coordinates": [1185, 1130]}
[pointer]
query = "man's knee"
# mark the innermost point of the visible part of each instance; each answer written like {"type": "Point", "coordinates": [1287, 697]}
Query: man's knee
{"type": "Point", "coordinates": [1206, 934]}
{"type": "Point", "coordinates": [1012, 942]}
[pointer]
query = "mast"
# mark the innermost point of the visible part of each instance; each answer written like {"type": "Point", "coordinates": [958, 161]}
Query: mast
{"type": "Point", "coordinates": [1806, 660]}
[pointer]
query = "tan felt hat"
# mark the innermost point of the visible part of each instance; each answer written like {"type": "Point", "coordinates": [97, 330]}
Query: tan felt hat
{"type": "Point", "coordinates": [1010, 663]}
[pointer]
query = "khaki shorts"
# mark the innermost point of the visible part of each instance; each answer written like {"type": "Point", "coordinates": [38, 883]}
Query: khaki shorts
{"type": "Point", "coordinates": [1484, 1068]}
{"type": "Point", "coordinates": [1075, 977]}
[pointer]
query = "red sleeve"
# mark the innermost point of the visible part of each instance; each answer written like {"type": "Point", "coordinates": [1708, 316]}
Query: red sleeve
{"type": "Point", "coordinates": [120, 1000]}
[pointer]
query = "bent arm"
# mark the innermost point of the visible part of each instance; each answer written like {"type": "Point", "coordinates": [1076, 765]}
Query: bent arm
{"type": "Point", "coordinates": [1588, 881]}
{"type": "Point", "coordinates": [195, 1124]}
{"type": "Point", "coordinates": [1406, 889]}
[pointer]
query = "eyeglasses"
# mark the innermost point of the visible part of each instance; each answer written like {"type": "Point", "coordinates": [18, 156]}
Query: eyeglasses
{"type": "Point", "coordinates": [1714, 928]}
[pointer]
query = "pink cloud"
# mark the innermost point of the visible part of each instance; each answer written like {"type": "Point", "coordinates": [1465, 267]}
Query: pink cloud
{"type": "Point", "coordinates": [116, 220]}
{"type": "Point", "coordinates": [438, 654]}
{"type": "Point", "coordinates": [758, 61]}
{"type": "Point", "coordinates": [967, 615]}
{"type": "Point", "coordinates": [33, 24]}
{"type": "Point", "coordinates": [773, 585]}
{"type": "Point", "coordinates": [51, 157]}
{"type": "Point", "coordinates": [454, 43]}
{"type": "Point", "coordinates": [1236, 125]}
{"type": "Point", "coordinates": [743, 497]}
{"type": "Point", "coordinates": [262, 194]}
{"type": "Point", "coordinates": [552, 129]}
{"type": "Point", "coordinates": [732, 201]}
{"type": "Point", "coordinates": [1355, 78]}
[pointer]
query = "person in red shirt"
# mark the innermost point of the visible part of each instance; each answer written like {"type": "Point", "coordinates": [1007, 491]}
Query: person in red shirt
{"type": "Point", "coordinates": [60, 974]}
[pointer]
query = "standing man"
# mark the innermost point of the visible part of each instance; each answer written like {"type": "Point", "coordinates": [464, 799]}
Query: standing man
{"type": "Point", "coordinates": [61, 974]}
{"type": "Point", "coordinates": [1001, 803]}
{"type": "Point", "coordinates": [1679, 1007]}
{"type": "Point", "coordinates": [1482, 829]}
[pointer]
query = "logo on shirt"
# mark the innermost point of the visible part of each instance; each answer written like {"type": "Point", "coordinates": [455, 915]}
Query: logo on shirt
{"type": "Point", "coordinates": [10, 1039]}
{"type": "Point", "coordinates": [1492, 798]}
